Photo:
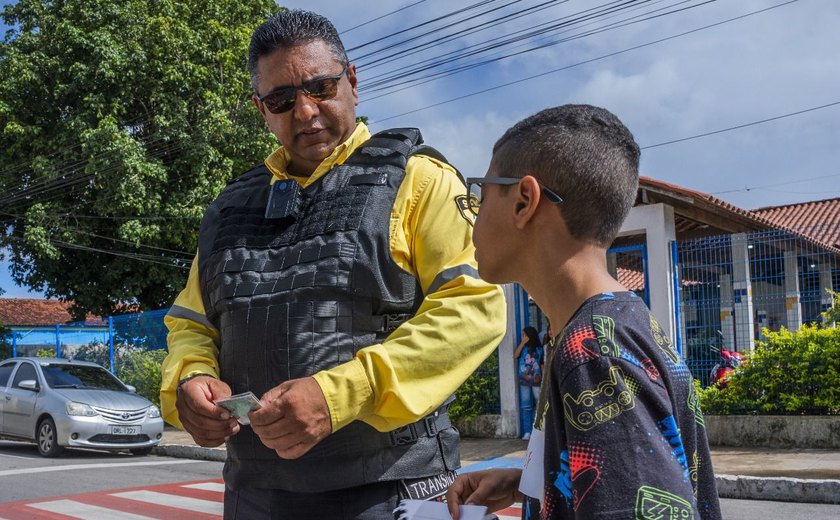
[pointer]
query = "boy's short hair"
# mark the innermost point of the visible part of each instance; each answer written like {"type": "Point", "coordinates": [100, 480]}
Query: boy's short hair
{"type": "Point", "coordinates": [586, 155]}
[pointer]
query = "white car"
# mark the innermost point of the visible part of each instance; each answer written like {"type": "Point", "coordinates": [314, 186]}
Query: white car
{"type": "Point", "coordinates": [60, 403]}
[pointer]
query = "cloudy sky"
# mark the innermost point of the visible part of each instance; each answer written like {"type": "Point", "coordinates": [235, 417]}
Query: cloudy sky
{"type": "Point", "coordinates": [698, 68]}
{"type": "Point", "coordinates": [764, 65]}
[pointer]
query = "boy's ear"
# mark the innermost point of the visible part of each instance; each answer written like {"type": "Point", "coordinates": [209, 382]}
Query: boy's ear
{"type": "Point", "coordinates": [528, 195]}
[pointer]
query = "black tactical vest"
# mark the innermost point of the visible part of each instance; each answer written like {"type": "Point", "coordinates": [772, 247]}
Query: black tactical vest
{"type": "Point", "coordinates": [293, 295]}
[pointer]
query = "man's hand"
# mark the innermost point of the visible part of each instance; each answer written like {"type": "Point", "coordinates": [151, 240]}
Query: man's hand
{"type": "Point", "coordinates": [494, 488]}
{"type": "Point", "coordinates": [294, 417]}
{"type": "Point", "coordinates": [209, 425]}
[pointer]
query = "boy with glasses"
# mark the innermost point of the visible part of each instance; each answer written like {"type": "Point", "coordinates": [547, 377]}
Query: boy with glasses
{"type": "Point", "coordinates": [619, 433]}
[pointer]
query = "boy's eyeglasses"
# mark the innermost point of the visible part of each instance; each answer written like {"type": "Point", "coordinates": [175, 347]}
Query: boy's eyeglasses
{"type": "Point", "coordinates": [474, 190]}
{"type": "Point", "coordinates": [320, 89]}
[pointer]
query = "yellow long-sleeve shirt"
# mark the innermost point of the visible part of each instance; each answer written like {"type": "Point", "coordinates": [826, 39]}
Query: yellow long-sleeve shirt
{"type": "Point", "coordinates": [460, 321]}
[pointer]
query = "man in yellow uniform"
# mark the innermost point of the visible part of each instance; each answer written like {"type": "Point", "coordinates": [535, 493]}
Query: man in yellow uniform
{"type": "Point", "coordinates": [338, 284]}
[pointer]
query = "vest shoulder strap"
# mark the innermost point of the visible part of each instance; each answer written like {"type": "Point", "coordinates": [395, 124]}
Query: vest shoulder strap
{"type": "Point", "coordinates": [256, 171]}
{"type": "Point", "coordinates": [397, 144]}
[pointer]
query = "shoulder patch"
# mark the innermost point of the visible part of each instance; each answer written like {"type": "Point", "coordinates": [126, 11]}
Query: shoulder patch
{"type": "Point", "coordinates": [464, 202]}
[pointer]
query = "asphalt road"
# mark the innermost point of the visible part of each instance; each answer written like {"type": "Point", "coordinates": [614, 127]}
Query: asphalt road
{"type": "Point", "coordinates": [24, 475]}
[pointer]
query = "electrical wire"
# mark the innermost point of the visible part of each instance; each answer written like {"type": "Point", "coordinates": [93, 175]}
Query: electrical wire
{"type": "Point", "coordinates": [423, 24]}
{"type": "Point", "coordinates": [458, 53]}
{"type": "Point", "coordinates": [736, 127]}
{"type": "Point", "coordinates": [345, 31]}
{"type": "Point", "coordinates": [167, 261]}
{"type": "Point", "coordinates": [95, 235]}
{"type": "Point", "coordinates": [448, 26]}
{"type": "Point", "coordinates": [592, 60]}
{"type": "Point", "coordinates": [390, 87]}
{"type": "Point", "coordinates": [765, 186]}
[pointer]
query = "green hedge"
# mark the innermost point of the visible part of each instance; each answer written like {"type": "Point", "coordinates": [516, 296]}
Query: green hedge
{"type": "Point", "coordinates": [479, 390]}
{"type": "Point", "coordinates": [791, 373]}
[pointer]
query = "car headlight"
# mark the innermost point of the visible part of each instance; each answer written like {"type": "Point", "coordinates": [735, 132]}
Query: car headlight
{"type": "Point", "coordinates": [153, 412]}
{"type": "Point", "coordinates": [80, 409]}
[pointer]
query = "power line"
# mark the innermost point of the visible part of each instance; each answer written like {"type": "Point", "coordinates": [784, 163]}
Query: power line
{"type": "Point", "coordinates": [76, 171]}
{"type": "Point", "coordinates": [380, 17]}
{"type": "Point", "coordinates": [166, 261]}
{"type": "Point", "coordinates": [95, 235]}
{"type": "Point", "coordinates": [432, 31]}
{"type": "Point", "coordinates": [460, 53]}
{"type": "Point", "coordinates": [386, 77]}
{"type": "Point", "coordinates": [423, 24]}
{"type": "Point", "coordinates": [388, 85]}
{"type": "Point", "coordinates": [706, 134]}
{"type": "Point", "coordinates": [797, 181]}
{"type": "Point", "coordinates": [24, 164]}
{"type": "Point", "coordinates": [592, 60]}
{"type": "Point", "coordinates": [158, 260]}
{"type": "Point", "coordinates": [56, 186]}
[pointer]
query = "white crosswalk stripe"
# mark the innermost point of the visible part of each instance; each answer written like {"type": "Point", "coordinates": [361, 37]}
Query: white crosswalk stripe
{"type": "Point", "coordinates": [82, 511]}
{"type": "Point", "coordinates": [205, 486]}
{"type": "Point", "coordinates": [166, 496]}
{"type": "Point", "coordinates": [165, 499]}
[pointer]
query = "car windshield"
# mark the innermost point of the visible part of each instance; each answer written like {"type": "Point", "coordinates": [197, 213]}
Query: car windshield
{"type": "Point", "coordinates": [80, 376]}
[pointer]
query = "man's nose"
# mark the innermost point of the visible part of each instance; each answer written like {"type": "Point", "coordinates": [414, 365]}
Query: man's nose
{"type": "Point", "coordinates": [305, 107]}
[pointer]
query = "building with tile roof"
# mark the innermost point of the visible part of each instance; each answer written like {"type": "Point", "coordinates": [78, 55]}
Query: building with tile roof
{"type": "Point", "coordinates": [818, 219]}
{"type": "Point", "coordinates": [30, 312]}
{"type": "Point", "coordinates": [47, 324]}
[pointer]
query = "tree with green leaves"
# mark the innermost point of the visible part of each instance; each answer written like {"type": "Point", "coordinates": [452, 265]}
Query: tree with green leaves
{"type": "Point", "coordinates": [119, 124]}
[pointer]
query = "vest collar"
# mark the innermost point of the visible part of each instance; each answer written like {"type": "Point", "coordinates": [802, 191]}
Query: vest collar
{"type": "Point", "coordinates": [278, 161]}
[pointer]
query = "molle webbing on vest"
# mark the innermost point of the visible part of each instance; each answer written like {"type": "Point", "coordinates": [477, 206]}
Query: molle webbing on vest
{"type": "Point", "coordinates": [296, 295]}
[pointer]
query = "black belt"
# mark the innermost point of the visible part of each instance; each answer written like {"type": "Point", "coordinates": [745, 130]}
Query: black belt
{"type": "Point", "coordinates": [428, 426]}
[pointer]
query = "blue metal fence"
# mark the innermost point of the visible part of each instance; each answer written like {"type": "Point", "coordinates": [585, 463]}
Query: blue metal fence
{"type": "Point", "coordinates": [105, 343]}
{"type": "Point", "coordinates": [732, 287]}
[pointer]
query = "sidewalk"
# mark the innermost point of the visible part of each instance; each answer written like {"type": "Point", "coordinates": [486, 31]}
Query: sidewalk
{"type": "Point", "coordinates": [811, 476]}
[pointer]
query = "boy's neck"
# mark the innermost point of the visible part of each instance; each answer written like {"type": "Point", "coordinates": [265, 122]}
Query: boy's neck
{"type": "Point", "coordinates": [570, 282]}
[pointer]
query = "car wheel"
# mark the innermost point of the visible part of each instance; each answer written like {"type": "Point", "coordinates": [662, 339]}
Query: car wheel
{"type": "Point", "coordinates": [47, 438]}
{"type": "Point", "coordinates": [140, 452]}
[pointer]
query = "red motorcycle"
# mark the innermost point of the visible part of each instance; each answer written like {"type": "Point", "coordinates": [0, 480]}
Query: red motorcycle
{"type": "Point", "coordinates": [729, 361]}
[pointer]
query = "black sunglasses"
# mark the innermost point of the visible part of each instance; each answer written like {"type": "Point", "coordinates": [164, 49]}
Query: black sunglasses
{"type": "Point", "coordinates": [474, 194]}
{"type": "Point", "coordinates": [320, 89]}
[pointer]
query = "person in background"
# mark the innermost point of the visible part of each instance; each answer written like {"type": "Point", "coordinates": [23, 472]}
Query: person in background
{"type": "Point", "coordinates": [546, 337]}
{"type": "Point", "coordinates": [337, 282]}
{"type": "Point", "coordinates": [529, 357]}
{"type": "Point", "coordinates": [619, 432]}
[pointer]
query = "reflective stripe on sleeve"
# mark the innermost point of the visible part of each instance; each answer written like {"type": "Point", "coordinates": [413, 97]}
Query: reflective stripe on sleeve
{"type": "Point", "coordinates": [176, 311]}
{"type": "Point", "coordinates": [450, 274]}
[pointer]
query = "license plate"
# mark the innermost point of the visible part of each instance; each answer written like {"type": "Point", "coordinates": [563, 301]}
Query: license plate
{"type": "Point", "coordinates": [126, 430]}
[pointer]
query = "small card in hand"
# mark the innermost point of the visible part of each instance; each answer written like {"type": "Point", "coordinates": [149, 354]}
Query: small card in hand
{"type": "Point", "coordinates": [239, 405]}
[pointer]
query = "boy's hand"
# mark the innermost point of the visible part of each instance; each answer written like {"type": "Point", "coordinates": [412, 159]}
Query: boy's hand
{"type": "Point", "coordinates": [494, 488]}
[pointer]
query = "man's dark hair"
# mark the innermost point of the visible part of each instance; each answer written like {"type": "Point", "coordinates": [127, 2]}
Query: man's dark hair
{"type": "Point", "coordinates": [288, 29]}
{"type": "Point", "coordinates": [586, 155]}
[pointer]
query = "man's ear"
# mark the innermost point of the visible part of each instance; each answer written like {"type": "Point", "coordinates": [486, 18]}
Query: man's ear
{"type": "Point", "coordinates": [528, 195]}
{"type": "Point", "coordinates": [259, 105]}
{"type": "Point", "coordinates": [351, 77]}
